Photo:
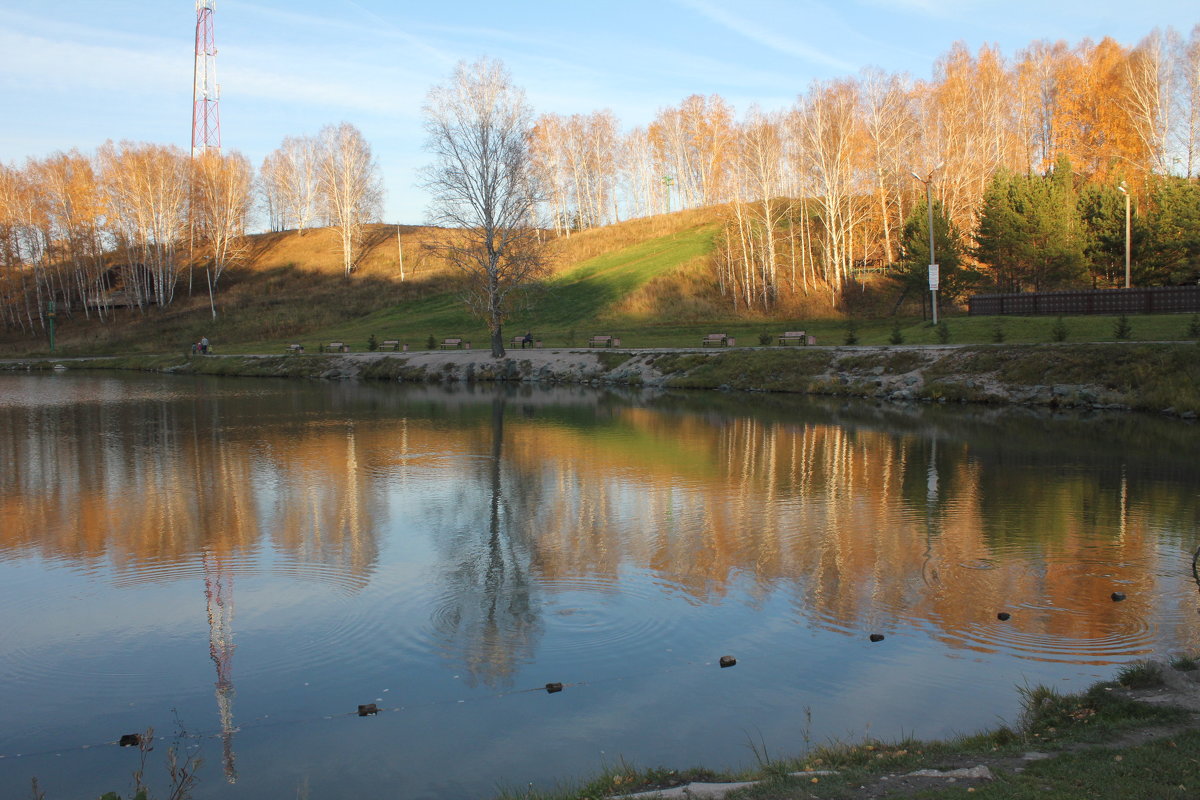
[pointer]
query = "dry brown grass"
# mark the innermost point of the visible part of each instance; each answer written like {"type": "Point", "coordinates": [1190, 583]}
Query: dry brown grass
{"type": "Point", "coordinates": [319, 250]}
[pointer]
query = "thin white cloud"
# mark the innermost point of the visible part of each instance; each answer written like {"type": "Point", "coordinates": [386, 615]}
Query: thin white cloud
{"type": "Point", "coordinates": [324, 25]}
{"type": "Point", "coordinates": [765, 37]}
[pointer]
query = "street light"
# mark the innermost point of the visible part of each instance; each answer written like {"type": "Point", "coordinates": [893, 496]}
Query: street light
{"type": "Point", "coordinates": [1121, 188]}
{"type": "Point", "coordinates": [933, 267]}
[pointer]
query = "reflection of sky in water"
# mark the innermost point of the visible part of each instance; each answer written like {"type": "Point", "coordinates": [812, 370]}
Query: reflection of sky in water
{"type": "Point", "coordinates": [376, 550]}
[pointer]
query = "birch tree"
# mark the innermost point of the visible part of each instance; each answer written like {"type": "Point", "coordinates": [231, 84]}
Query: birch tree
{"type": "Point", "coordinates": [350, 186]}
{"type": "Point", "coordinates": [222, 195]}
{"type": "Point", "coordinates": [483, 188]}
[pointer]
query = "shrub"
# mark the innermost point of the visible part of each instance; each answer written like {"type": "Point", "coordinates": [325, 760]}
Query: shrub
{"type": "Point", "coordinates": [897, 336]}
{"type": "Point", "coordinates": [1059, 332]}
{"type": "Point", "coordinates": [1140, 675]}
{"type": "Point", "coordinates": [1185, 664]}
{"type": "Point", "coordinates": [998, 333]}
{"type": "Point", "coordinates": [1193, 329]}
{"type": "Point", "coordinates": [851, 334]}
{"type": "Point", "coordinates": [943, 332]}
{"type": "Point", "coordinates": [372, 343]}
{"type": "Point", "coordinates": [1122, 329]}
{"type": "Point", "coordinates": [431, 343]}
{"type": "Point", "coordinates": [764, 339]}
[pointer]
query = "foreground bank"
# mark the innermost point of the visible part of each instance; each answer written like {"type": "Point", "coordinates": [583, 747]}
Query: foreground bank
{"type": "Point", "coordinates": [1132, 738]}
{"type": "Point", "coordinates": [1155, 377]}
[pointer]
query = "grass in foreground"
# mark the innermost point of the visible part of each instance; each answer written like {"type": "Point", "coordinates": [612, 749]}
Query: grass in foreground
{"type": "Point", "coordinates": [1077, 731]}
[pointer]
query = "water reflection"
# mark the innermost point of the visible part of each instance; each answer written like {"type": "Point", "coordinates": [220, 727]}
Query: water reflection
{"type": "Point", "coordinates": [875, 517]}
{"type": "Point", "coordinates": [494, 529]}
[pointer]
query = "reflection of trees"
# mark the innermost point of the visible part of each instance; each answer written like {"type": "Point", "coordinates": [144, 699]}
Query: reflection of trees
{"type": "Point", "coordinates": [150, 485]}
{"type": "Point", "coordinates": [863, 522]}
{"type": "Point", "coordinates": [860, 511]}
{"type": "Point", "coordinates": [490, 615]}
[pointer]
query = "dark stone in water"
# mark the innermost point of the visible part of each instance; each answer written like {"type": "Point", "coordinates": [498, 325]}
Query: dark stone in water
{"type": "Point", "coordinates": [727, 661]}
{"type": "Point", "coordinates": [1117, 596]}
{"type": "Point", "coordinates": [876, 637]}
{"type": "Point", "coordinates": [1004, 616]}
{"type": "Point", "coordinates": [131, 740]}
{"type": "Point", "coordinates": [369, 708]}
{"type": "Point", "coordinates": [551, 688]}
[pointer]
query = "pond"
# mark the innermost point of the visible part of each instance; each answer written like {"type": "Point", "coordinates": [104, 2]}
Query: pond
{"type": "Point", "coordinates": [240, 563]}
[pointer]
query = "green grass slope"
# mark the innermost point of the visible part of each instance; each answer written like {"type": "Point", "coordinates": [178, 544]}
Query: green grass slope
{"type": "Point", "coordinates": [583, 299]}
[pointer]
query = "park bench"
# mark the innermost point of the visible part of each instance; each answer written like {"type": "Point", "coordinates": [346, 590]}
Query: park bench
{"type": "Point", "coordinates": [519, 341]}
{"type": "Point", "coordinates": [457, 344]}
{"type": "Point", "coordinates": [294, 348]}
{"type": "Point", "coordinates": [604, 341]}
{"type": "Point", "coordinates": [391, 344]}
{"type": "Point", "coordinates": [718, 340]}
{"type": "Point", "coordinates": [793, 337]}
{"type": "Point", "coordinates": [335, 347]}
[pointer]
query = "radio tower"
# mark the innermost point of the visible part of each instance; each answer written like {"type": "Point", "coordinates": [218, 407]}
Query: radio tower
{"type": "Point", "coordinates": [206, 117]}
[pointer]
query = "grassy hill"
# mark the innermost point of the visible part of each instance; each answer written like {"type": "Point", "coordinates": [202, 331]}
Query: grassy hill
{"type": "Point", "coordinates": [647, 280]}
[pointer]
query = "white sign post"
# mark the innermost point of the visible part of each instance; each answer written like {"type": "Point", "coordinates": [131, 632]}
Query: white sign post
{"type": "Point", "coordinates": [933, 287]}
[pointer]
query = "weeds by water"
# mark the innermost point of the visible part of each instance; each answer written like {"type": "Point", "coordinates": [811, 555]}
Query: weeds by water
{"type": "Point", "coordinates": [1140, 675]}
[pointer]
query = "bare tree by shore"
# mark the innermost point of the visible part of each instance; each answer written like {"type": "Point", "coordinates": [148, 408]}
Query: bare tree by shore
{"type": "Point", "coordinates": [482, 184]}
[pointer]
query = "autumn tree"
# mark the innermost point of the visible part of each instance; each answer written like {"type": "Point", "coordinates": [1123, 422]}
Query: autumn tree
{"type": "Point", "coordinates": [146, 193]}
{"type": "Point", "coordinates": [290, 184]}
{"type": "Point", "coordinates": [350, 187]}
{"type": "Point", "coordinates": [483, 188]}
{"type": "Point", "coordinates": [222, 198]}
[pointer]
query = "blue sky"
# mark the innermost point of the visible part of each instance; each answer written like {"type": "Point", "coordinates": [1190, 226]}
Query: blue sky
{"type": "Point", "coordinates": [74, 73]}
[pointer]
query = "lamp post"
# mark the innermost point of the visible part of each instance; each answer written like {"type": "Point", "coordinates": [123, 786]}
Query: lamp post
{"type": "Point", "coordinates": [1125, 192]}
{"type": "Point", "coordinates": [51, 313]}
{"type": "Point", "coordinates": [933, 267]}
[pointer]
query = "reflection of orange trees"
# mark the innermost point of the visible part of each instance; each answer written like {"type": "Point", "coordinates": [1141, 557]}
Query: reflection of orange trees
{"type": "Point", "coordinates": [151, 501]}
{"type": "Point", "coordinates": [865, 525]}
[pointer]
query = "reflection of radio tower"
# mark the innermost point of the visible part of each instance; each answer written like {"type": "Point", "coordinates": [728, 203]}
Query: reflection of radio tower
{"type": "Point", "coordinates": [218, 590]}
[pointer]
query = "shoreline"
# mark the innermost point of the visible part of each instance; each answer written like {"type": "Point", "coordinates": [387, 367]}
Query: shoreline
{"type": "Point", "coordinates": [1161, 378]}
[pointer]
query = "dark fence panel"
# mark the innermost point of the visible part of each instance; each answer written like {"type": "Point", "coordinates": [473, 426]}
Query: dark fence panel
{"type": "Point", "coordinates": [1158, 300]}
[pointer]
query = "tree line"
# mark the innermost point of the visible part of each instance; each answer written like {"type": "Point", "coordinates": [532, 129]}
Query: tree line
{"type": "Point", "coordinates": [1032, 154]}
{"type": "Point", "coordinates": [819, 190]}
{"type": "Point", "coordinates": [134, 223]}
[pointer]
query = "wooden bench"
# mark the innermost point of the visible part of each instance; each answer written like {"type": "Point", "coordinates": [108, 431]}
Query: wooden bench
{"type": "Point", "coordinates": [793, 337]}
{"type": "Point", "coordinates": [294, 348]}
{"type": "Point", "coordinates": [457, 344]}
{"type": "Point", "coordinates": [520, 341]}
{"type": "Point", "coordinates": [604, 341]}
{"type": "Point", "coordinates": [335, 347]}
{"type": "Point", "coordinates": [391, 344]}
{"type": "Point", "coordinates": [718, 340]}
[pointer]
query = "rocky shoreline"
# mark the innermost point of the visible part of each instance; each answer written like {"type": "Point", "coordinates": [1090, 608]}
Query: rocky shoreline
{"type": "Point", "coordinates": [1162, 378]}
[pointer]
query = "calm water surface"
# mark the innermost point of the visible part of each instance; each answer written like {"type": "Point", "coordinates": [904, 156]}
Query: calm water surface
{"type": "Point", "coordinates": [250, 560]}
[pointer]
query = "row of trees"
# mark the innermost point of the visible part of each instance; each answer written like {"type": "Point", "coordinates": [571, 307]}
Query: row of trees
{"type": "Point", "coordinates": [848, 146]}
{"type": "Point", "coordinates": [127, 224]}
{"type": "Point", "coordinates": [810, 193]}
{"type": "Point", "coordinates": [1038, 232]}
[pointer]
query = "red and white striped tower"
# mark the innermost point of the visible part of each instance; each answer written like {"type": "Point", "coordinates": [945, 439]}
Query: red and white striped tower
{"type": "Point", "coordinates": [206, 117]}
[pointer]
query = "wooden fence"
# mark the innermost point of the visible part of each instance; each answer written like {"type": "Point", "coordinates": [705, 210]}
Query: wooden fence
{"type": "Point", "coordinates": [1158, 300]}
